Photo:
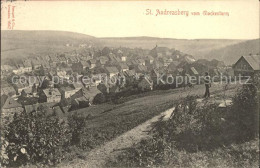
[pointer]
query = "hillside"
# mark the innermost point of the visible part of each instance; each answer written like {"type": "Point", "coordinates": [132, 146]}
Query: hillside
{"type": "Point", "coordinates": [19, 44]}
{"type": "Point", "coordinates": [197, 47]}
{"type": "Point", "coordinates": [231, 53]}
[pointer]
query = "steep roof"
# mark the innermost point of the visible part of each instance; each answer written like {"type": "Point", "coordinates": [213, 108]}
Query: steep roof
{"type": "Point", "coordinates": [81, 99]}
{"type": "Point", "coordinates": [52, 92]}
{"type": "Point", "coordinates": [66, 89]}
{"type": "Point", "coordinates": [11, 103]}
{"type": "Point", "coordinates": [77, 85]}
{"type": "Point", "coordinates": [6, 90]}
{"type": "Point", "coordinates": [112, 69]}
{"type": "Point", "coordinates": [141, 68]}
{"type": "Point", "coordinates": [129, 73]}
{"type": "Point", "coordinates": [194, 71]}
{"type": "Point", "coordinates": [254, 61]}
{"type": "Point", "coordinates": [123, 65]}
{"type": "Point", "coordinates": [85, 63]}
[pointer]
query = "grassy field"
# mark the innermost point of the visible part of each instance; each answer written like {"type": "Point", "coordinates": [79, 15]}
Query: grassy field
{"type": "Point", "coordinates": [147, 104]}
{"type": "Point", "coordinates": [107, 121]}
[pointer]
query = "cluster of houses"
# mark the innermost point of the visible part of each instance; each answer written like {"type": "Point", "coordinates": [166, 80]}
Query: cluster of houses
{"type": "Point", "coordinates": [131, 68]}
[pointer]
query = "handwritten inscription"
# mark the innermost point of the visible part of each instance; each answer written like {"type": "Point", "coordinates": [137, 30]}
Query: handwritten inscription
{"type": "Point", "coordinates": [11, 17]}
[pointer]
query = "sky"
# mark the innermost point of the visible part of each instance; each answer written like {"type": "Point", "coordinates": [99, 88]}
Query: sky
{"type": "Point", "coordinates": [129, 19]}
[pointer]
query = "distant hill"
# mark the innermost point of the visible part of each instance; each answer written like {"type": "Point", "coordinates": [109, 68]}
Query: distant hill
{"type": "Point", "coordinates": [230, 54]}
{"type": "Point", "coordinates": [19, 44]}
{"type": "Point", "coordinates": [198, 48]}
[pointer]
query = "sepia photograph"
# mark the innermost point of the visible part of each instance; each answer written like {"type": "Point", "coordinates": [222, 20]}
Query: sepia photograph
{"type": "Point", "coordinates": [130, 84]}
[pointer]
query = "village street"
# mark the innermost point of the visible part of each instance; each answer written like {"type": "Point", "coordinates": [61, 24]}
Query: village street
{"type": "Point", "coordinates": [98, 157]}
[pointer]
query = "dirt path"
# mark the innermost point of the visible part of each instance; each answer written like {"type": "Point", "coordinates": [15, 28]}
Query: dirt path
{"type": "Point", "coordinates": [98, 157]}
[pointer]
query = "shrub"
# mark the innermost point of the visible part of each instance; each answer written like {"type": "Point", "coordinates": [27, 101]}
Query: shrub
{"type": "Point", "coordinates": [4, 156]}
{"type": "Point", "coordinates": [36, 138]}
{"type": "Point", "coordinates": [76, 123]}
{"type": "Point", "coordinates": [244, 112]}
{"type": "Point", "coordinates": [99, 98]}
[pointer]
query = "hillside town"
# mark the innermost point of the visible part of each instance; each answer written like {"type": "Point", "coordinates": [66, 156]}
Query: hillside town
{"type": "Point", "coordinates": [60, 82]}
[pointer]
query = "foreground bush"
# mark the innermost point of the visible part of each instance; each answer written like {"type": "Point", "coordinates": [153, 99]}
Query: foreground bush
{"type": "Point", "coordinates": [36, 138]}
{"type": "Point", "coordinates": [244, 112]}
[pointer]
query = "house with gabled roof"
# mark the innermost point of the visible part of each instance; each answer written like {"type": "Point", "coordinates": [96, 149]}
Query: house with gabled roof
{"type": "Point", "coordinates": [80, 102]}
{"type": "Point", "coordinates": [67, 92]}
{"type": "Point", "coordinates": [27, 65]}
{"type": "Point", "coordinates": [111, 71]}
{"type": "Point", "coordinates": [122, 67]}
{"type": "Point", "coordinates": [140, 69]}
{"type": "Point", "coordinates": [51, 95]}
{"type": "Point", "coordinates": [247, 65]}
{"type": "Point", "coordinates": [89, 93]}
{"type": "Point", "coordinates": [9, 107]}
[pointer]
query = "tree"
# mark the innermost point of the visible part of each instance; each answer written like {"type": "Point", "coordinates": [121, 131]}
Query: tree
{"type": "Point", "coordinates": [76, 123]}
{"type": "Point", "coordinates": [99, 98]}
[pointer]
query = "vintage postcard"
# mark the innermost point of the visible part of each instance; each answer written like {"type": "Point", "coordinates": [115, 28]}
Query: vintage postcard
{"type": "Point", "coordinates": [98, 84]}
